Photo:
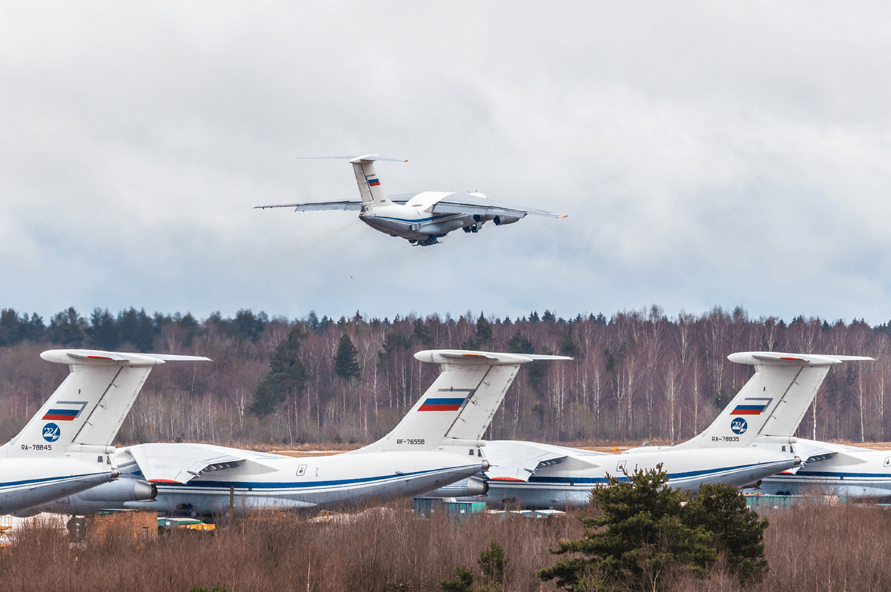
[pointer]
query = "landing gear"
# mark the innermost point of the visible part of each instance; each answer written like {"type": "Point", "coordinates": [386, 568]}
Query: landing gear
{"type": "Point", "coordinates": [474, 228]}
{"type": "Point", "coordinates": [430, 240]}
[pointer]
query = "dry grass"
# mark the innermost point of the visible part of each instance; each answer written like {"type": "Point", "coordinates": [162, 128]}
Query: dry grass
{"type": "Point", "coordinates": [814, 548]}
{"type": "Point", "coordinates": [383, 549]}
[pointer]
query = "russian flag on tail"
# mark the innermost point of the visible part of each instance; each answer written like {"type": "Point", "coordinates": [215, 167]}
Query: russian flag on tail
{"type": "Point", "coordinates": [751, 407]}
{"type": "Point", "coordinates": [59, 413]}
{"type": "Point", "coordinates": [373, 182]}
{"type": "Point", "coordinates": [442, 404]}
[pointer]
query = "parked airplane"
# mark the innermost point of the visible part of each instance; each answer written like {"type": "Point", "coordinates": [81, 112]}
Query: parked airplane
{"type": "Point", "coordinates": [750, 440]}
{"type": "Point", "coordinates": [66, 447]}
{"type": "Point", "coordinates": [435, 444]}
{"type": "Point", "coordinates": [851, 472]}
{"type": "Point", "coordinates": [422, 218]}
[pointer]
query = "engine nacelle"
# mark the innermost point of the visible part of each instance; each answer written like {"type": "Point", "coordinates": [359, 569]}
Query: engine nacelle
{"type": "Point", "coordinates": [465, 488]}
{"type": "Point", "coordinates": [122, 490]}
{"type": "Point", "coordinates": [500, 220]}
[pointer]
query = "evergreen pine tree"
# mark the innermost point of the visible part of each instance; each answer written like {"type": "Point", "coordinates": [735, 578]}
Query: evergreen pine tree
{"type": "Point", "coordinates": [739, 532]}
{"type": "Point", "coordinates": [346, 364]}
{"type": "Point", "coordinates": [287, 375]}
{"type": "Point", "coordinates": [645, 538]}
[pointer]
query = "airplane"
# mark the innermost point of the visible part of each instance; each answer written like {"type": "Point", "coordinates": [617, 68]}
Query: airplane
{"type": "Point", "coordinates": [751, 439]}
{"type": "Point", "coordinates": [66, 447]}
{"type": "Point", "coordinates": [438, 442]}
{"type": "Point", "coordinates": [421, 218]}
{"type": "Point", "coordinates": [851, 472]}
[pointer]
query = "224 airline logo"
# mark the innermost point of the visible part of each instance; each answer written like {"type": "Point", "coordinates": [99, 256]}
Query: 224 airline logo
{"type": "Point", "coordinates": [51, 432]}
{"type": "Point", "coordinates": [739, 425]}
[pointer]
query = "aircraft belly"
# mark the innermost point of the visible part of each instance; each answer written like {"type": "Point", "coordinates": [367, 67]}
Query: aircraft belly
{"type": "Point", "coordinates": [212, 497]}
{"type": "Point", "coordinates": [553, 488]}
{"type": "Point", "coordinates": [391, 227]}
{"type": "Point", "coordinates": [853, 485]}
{"type": "Point", "coordinates": [417, 229]}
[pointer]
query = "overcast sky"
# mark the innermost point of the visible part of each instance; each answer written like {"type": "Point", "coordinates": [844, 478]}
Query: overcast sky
{"type": "Point", "coordinates": [707, 154]}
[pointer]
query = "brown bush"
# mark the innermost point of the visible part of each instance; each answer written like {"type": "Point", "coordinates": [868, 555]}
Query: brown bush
{"type": "Point", "coordinates": [385, 549]}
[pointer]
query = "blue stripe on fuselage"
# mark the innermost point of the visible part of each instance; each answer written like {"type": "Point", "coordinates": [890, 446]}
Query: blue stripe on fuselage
{"type": "Point", "coordinates": [415, 221]}
{"type": "Point", "coordinates": [303, 484]}
{"type": "Point", "coordinates": [671, 477]}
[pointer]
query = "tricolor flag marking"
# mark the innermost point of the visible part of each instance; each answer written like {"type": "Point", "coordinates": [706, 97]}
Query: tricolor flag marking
{"type": "Point", "coordinates": [751, 407]}
{"type": "Point", "coordinates": [58, 413]}
{"type": "Point", "coordinates": [442, 404]}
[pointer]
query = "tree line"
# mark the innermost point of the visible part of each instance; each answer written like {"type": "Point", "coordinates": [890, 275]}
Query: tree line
{"type": "Point", "coordinates": [636, 375]}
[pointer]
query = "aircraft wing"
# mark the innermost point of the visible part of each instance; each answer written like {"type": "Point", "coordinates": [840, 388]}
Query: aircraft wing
{"type": "Point", "coordinates": [344, 204]}
{"type": "Point", "coordinates": [179, 463]}
{"type": "Point", "coordinates": [517, 461]}
{"type": "Point", "coordinates": [465, 203]}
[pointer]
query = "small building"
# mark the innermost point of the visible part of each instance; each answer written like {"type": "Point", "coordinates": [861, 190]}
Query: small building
{"type": "Point", "coordinates": [137, 524]}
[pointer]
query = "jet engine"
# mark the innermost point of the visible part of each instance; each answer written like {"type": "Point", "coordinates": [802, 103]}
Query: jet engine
{"type": "Point", "coordinates": [122, 490]}
{"type": "Point", "coordinates": [499, 220]}
{"type": "Point", "coordinates": [465, 488]}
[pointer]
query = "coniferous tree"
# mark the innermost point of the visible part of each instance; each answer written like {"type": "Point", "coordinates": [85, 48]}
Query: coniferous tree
{"type": "Point", "coordinates": [67, 328]}
{"type": "Point", "coordinates": [645, 538]}
{"type": "Point", "coordinates": [739, 532]}
{"type": "Point", "coordinates": [103, 333]}
{"type": "Point", "coordinates": [287, 375]}
{"type": "Point", "coordinates": [346, 364]}
{"type": "Point", "coordinates": [569, 345]}
{"type": "Point", "coordinates": [137, 329]}
{"type": "Point", "coordinates": [422, 334]}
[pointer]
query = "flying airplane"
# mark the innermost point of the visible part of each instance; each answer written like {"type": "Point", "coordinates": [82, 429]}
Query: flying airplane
{"type": "Point", "coordinates": [66, 447]}
{"type": "Point", "coordinates": [435, 444]}
{"type": "Point", "coordinates": [751, 439]}
{"type": "Point", "coordinates": [835, 469]}
{"type": "Point", "coordinates": [422, 218]}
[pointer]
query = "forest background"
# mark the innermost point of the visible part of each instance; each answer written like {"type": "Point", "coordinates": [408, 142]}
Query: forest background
{"type": "Point", "coordinates": [637, 376]}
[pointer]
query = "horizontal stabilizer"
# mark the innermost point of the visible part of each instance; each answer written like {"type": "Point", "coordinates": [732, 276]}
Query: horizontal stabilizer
{"type": "Point", "coordinates": [781, 359]}
{"type": "Point", "coordinates": [354, 159]}
{"type": "Point", "coordinates": [91, 357]}
{"type": "Point", "coordinates": [179, 463]}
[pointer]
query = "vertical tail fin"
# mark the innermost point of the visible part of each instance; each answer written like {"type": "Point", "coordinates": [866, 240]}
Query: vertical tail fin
{"type": "Point", "coordinates": [369, 184]}
{"type": "Point", "coordinates": [773, 402]}
{"type": "Point", "coordinates": [88, 408]}
{"type": "Point", "coordinates": [459, 405]}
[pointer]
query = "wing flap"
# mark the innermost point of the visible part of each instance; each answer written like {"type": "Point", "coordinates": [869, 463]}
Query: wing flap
{"type": "Point", "coordinates": [180, 463]}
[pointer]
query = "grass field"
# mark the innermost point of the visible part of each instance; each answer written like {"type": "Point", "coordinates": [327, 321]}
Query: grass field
{"type": "Point", "coordinates": [811, 547]}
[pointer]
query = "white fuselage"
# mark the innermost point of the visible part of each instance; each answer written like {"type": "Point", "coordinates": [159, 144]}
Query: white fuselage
{"type": "Point", "coordinates": [275, 481]}
{"type": "Point", "coordinates": [850, 471]}
{"type": "Point", "coordinates": [414, 220]}
{"type": "Point", "coordinates": [28, 482]}
{"type": "Point", "coordinates": [569, 482]}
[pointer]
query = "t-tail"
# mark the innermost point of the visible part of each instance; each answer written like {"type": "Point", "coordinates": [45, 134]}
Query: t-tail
{"type": "Point", "coordinates": [773, 402]}
{"type": "Point", "coordinates": [458, 407]}
{"type": "Point", "coordinates": [369, 183]}
{"type": "Point", "coordinates": [85, 413]}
